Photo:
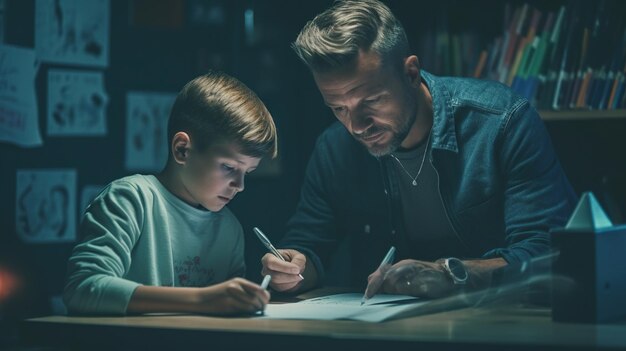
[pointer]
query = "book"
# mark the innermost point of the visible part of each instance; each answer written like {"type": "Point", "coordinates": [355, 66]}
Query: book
{"type": "Point", "coordinates": [605, 55]}
{"type": "Point", "coordinates": [567, 59]}
{"type": "Point", "coordinates": [510, 42]}
{"type": "Point", "coordinates": [480, 66]}
{"type": "Point", "coordinates": [577, 70]}
{"type": "Point", "coordinates": [545, 90]}
{"type": "Point", "coordinates": [537, 64]}
{"type": "Point", "coordinates": [523, 48]}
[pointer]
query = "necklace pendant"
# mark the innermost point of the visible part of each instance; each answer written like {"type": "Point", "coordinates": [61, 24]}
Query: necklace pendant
{"type": "Point", "coordinates": [414, 182]}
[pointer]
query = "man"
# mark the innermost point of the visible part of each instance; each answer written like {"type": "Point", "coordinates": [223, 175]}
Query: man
{"type": "Point", "coordinates": [458, 174]}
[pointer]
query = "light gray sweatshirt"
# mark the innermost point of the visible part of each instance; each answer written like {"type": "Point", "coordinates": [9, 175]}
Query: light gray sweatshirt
{"type": "Point", "coordinates": [135, 233]}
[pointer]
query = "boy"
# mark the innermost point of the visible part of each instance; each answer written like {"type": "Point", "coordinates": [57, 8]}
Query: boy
{"type": "Point", "coordinates": [165, 243]}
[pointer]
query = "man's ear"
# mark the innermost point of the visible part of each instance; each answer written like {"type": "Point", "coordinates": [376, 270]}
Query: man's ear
{"type": "Point", "coordinates": [412, 70]}
{"type": "Point", "coordinates": [181, 144]}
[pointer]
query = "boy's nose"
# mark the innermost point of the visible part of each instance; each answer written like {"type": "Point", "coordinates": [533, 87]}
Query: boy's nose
{"type": "Point", "coordinates": [238, 183]}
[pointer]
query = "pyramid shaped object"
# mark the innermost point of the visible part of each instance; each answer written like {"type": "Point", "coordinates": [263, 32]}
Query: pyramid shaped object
{"type": "Point", "coordinates": [588, 215]}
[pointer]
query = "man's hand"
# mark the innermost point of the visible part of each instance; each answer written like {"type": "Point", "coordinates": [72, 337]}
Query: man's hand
{"type": "Point", "coordinates": [429, 279]}
{"type": "Point", "coordinates": [418, 278]}
{"type": "Point", "coordinates": [412, 277]}
{"type": "Point", "coordinates": [285, 274]}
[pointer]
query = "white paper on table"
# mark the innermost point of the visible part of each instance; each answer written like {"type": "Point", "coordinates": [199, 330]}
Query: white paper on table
{"type": "Point", "coordinates": [354, 299]}
{"type": "Point", "coordinates": [19, 123]}
{"type": "Point", "coordinates": [147, 114]}
{"type": "Point", "coordinates": [45, 210]}
{"type": "Point", "coordinates": [345, 306]}
{"type": "Point", "coordinates": [74, 32]}
{"type": "Point", "coordinates": [77, 103]}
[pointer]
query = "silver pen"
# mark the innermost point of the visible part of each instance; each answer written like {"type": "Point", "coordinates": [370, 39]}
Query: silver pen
{"type": "Point", "coordinates": [266, 281]}
{"type": "Point", "coordinates": [269, 245]}
{"type": "Point", "coordinates": [264, 284]}
{"type": "Point", "coordinates": [387, 260]}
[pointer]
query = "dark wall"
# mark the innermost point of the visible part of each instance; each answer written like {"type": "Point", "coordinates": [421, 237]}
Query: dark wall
{"type": "Point", "coordinates": [152, 57]}
{"type": "Point", "coordinates": [163, 57]}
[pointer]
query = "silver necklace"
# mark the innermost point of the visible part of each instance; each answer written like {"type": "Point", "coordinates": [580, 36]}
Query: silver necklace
{"type": "Point", "coordinates": [414, 179]}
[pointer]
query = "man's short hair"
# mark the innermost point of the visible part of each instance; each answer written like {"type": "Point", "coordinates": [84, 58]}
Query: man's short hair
{"type": "Point", "coordinates": [216, 107]}
{"type": "Point", "coordinates": [334, 37]}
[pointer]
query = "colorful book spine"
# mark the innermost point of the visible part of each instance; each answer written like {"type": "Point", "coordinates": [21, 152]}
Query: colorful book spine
{"type": "Point", "coordinates": [571, 58]}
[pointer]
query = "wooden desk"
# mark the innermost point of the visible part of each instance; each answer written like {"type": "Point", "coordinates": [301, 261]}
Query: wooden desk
{"type": "Point", "coordinates": [511, 328]}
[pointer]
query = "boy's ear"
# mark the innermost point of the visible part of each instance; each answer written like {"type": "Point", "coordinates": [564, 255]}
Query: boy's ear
{"type": "Point", "coordinates": [181, 144]}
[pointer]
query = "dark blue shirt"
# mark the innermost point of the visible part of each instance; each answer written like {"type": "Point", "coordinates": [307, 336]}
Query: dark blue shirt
{"type": "Point", "coordinates": [428, 229]}
{"type": "Point", "coordinates": [500, 182]}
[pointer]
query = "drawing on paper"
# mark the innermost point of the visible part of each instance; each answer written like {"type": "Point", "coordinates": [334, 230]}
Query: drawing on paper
{"type": "Point", "coordinates": [45, 205]}
{"type": "Point", "coordinates": [18, 104]}
{"type": "Point", "coordinates": [76, 103]}
{"type": "Point", "coordinates": [72, 31]}
{"type": "Point", "coordinates": [146, 130]}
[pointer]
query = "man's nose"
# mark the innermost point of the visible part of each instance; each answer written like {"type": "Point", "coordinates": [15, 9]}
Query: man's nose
{"type": "Point", "coordinates": [359, 122]}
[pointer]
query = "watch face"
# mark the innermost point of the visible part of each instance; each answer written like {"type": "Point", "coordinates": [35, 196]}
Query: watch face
{"type": "Point", "coordinates": [457, 269]}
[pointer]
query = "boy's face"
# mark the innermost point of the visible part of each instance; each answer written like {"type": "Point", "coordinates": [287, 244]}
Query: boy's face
{"type": "Point", "coordinates": [213, 177]}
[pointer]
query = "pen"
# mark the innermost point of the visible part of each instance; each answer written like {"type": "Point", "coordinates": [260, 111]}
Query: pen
{"type": "Point", "coordinates": [269, 245]}
{"type": "Point", "coordinates": [264, 284]}
{"type": "Point", "coordinates": [387, 260]}
{"type": "Point", "coordinates": [266, 281]}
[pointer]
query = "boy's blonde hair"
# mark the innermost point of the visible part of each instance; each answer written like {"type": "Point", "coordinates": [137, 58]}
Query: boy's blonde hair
{"type": "Point", "coordinates": [216, 107]}
{"type": "Point", "coordinates": [334, 37]}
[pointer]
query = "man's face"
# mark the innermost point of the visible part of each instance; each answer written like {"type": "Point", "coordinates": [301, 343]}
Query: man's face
{"type": "Point", "coordinates": [212, 178]}
{"type": "Point", "coordinates": [376, 102]}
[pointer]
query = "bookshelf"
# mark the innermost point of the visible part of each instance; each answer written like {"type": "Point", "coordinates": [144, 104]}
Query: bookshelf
{"type": "Point", "coordinates": [574, 115]}
{"type": "Point", "coordinates": [569, 54]}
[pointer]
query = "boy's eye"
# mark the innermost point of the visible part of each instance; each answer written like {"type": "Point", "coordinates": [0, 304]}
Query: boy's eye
{"type": "Point", "coordinates": [339, 111]}
{"type": "Point", "coordinates": [227, 168]}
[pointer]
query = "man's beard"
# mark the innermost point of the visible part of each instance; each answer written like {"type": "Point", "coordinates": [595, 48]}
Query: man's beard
{"type": "Point", "coordinates": [396, 139]}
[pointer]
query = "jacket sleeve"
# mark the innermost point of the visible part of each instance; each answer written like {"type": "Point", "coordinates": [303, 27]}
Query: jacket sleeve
{"type": "Point", "coordinates": [312, 229]}
{"type": "Point", "coordinates": [537, 194]}
{"type": "Point", "coordinates": [110, 228]}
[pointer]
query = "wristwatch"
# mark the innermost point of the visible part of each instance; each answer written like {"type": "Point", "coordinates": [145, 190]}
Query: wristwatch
{"type": "Point", "coordinates": [456, 270]}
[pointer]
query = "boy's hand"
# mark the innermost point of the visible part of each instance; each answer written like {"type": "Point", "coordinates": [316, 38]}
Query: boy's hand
{"type": "Point", "coordinates": [233, 296]}
{"type": "Point", "coordinates": [285, 274]}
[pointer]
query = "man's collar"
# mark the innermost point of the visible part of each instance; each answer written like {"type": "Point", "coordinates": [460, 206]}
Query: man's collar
{"type": "Point", "coordinates": [444, 130]}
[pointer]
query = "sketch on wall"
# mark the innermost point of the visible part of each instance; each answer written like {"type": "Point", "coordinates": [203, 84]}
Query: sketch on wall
{"type": "Point", "coordinates": [72, 31]}
{"type": "Point", "coordinates": [77, 103]}
{"type": "Point", "coordinates": [87, 195]}
{"type": "Point", "coordinates": [146, 130]}
{"type": "Point", "coordinates": [46, 205]}
{"type": "Point", "coordinates": [18, 104]}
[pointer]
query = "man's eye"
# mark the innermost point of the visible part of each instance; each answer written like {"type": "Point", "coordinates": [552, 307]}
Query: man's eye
{"type": "Point", "coordinates": [227, 168]}
{"type": "Point", "coordinates": [372, 100]}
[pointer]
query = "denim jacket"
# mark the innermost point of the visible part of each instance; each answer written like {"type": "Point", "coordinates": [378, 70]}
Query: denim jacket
{"type": "Point", "coordinates": [501, 184]}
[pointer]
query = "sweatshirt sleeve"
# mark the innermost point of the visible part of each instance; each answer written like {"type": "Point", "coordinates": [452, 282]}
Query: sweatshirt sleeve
{"type": "Point", "coordinates": [109, 230]}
